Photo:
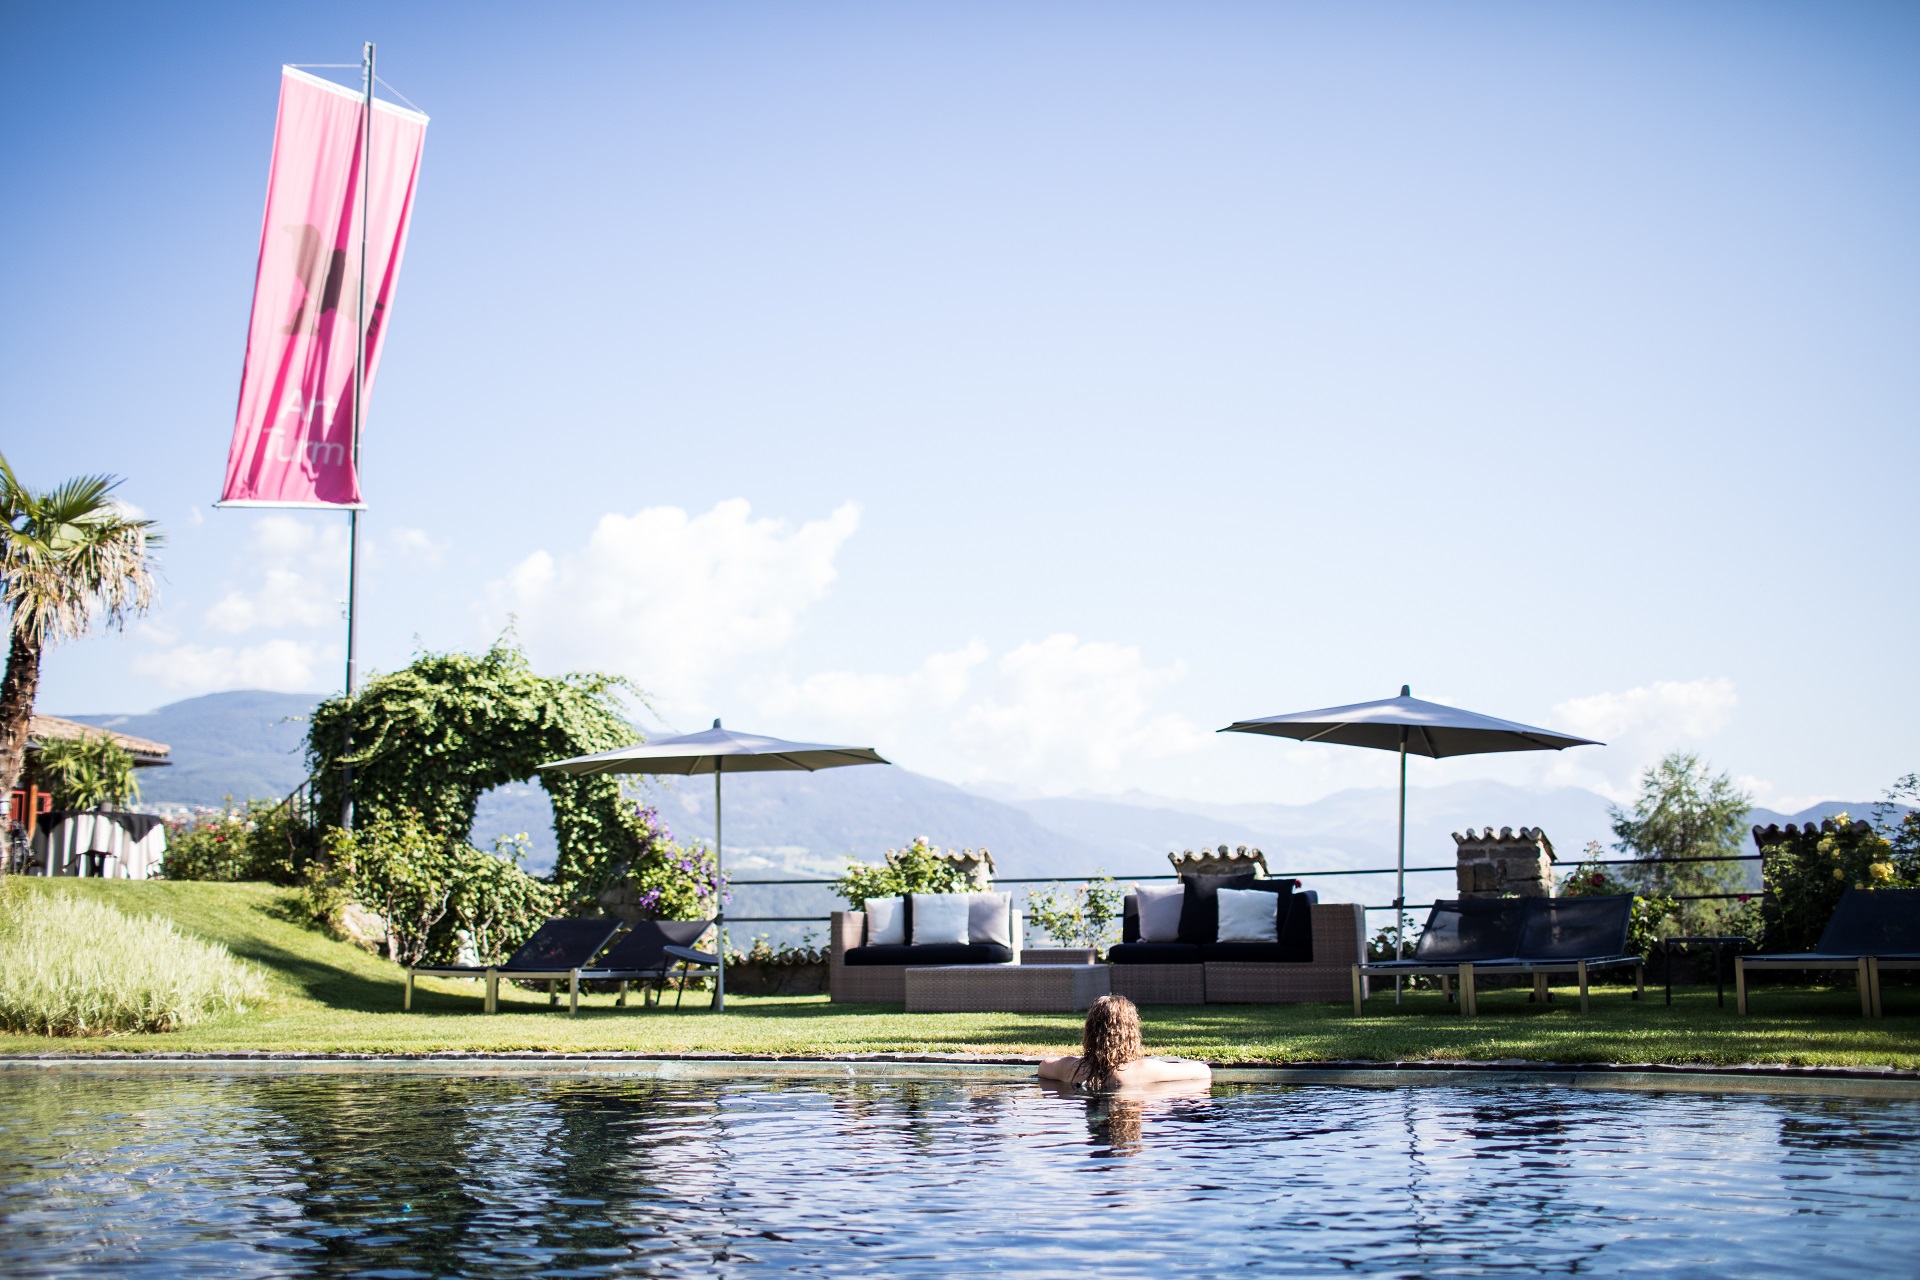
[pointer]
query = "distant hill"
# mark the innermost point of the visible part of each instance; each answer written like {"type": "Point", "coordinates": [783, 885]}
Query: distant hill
{"type": "Point", "coordinates": [249, 744]}
{"type": "Point", "coordinates": [246, 744]}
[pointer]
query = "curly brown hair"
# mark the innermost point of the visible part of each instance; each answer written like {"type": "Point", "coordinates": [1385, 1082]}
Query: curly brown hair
{"type": "Point", "coordinates": [1111, 1041]}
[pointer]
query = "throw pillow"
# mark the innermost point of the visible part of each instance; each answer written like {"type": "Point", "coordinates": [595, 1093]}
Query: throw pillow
{"type": "Point", "coordinates": [1160, 908]}
{"type": "Point", "coordinates": [989, 918]}
{"type": "Point", "coordinates": [886, 922]}
{"type": "Point", "coordinates": [1247, 915]}
{"type": "Point", "coordinates": [940, 918]}
{"type": "Point", "coordinates": [1199, 921]}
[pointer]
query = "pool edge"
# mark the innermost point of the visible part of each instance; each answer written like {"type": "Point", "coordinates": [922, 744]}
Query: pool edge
{"type": "Point", "coordinates": [1631, 1077]}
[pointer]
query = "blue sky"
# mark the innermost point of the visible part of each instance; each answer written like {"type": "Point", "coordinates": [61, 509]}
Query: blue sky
{"type": "Point", "coordinates": [1029, 390]}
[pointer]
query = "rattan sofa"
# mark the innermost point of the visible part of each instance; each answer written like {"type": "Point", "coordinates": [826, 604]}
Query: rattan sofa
{"type": "Point", "coordinates": [879, 975]}
{"type": "Point", "coordinates": [1311, 961]}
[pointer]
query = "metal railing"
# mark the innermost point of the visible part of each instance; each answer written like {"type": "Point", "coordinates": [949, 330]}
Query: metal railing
{"type": "Point", "coordinates": [1283, 875]}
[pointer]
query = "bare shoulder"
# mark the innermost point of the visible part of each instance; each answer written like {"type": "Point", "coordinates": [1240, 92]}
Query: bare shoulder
{"type": "Point", "coordinates": [1162, 1070]}
{"type": "Point", "coordinates": [1061, 1068]}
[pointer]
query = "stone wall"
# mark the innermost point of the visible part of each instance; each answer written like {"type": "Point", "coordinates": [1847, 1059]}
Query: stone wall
{"type": "Point", "coordinates": [1510, 863]}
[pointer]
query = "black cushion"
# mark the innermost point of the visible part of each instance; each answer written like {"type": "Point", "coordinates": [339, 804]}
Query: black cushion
{"type": "Point", "coordinates": [1154, 953]}
{"type": "Point", "coordinates": [940, 953]}
{"type": "Point", "coordinates": [1248, 953]}
{"type": "Point", "coordinates": [1130, 918]}
{"type": "Point", "coordinates": [1200, 912]}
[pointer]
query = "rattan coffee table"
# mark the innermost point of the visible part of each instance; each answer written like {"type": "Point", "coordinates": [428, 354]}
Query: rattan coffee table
{"type": "Point", "coordinates": [1005, 988]}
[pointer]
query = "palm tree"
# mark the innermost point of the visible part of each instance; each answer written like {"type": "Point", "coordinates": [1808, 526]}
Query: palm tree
{"type": "Point", "coordinates": [64, 554]}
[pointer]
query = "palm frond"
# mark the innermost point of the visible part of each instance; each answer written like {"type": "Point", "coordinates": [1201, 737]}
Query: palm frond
{"type": "Point", "coordinates": [70, 552]}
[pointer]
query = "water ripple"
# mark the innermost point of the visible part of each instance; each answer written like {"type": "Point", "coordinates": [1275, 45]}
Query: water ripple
{"type": "Point", "coordinates": [373, 1175]}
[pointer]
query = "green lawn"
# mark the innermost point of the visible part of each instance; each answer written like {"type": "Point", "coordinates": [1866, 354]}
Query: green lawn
{"type": "Point", "coordinates": [328, 996]}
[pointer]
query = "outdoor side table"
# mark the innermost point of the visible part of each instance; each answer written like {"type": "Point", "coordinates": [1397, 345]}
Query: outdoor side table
{"type": "Point", "coordinates": [688, 957]}
{"type": "Point", "coordinates": [1719, 969]}
{"type": "Point", "coordinates": [1005, 988]}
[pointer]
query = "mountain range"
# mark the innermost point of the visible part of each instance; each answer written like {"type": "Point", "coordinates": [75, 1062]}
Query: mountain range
{"type": "Point", "coordinates": [249, 744]}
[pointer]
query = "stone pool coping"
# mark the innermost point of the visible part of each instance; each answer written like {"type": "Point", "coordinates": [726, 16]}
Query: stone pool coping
{"type": "Point", "coordinates": [1863, 1082]}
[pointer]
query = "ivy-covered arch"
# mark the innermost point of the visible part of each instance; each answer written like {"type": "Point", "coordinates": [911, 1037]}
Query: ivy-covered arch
{"type": "Point", "coordinates": [441, 732]}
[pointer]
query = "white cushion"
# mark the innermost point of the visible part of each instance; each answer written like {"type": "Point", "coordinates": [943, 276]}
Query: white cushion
{"type": "Point", "coordinates": [990, 918]}
{"type": "Point", "coordinates": [1160, 911]}
{"type": "Point", "coordinates": [940, 918]}
{"type": "Point", "coordinates": [886, 922]}
{"type": "Point", "coordinates": [1248, 915]}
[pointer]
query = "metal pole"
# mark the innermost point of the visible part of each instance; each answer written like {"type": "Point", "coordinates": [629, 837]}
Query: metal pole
{"type": "Point", "coordinates": [719, 890]}
{"type": "Point", "coordinates": [359, 403]}
{"type": "Point", "coordinates": [1400, 867]}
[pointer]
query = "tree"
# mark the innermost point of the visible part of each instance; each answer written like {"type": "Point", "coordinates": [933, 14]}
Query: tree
{"type": "Point", "coordinates": [91, 771]}
{"type": "Point", "coordinates": [1684, 811]}
{"type": "Point", "coordinates": [65, 555]}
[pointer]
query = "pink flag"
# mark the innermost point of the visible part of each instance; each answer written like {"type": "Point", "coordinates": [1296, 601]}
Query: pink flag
{"type": "Point", "coordinates": [293, 433]}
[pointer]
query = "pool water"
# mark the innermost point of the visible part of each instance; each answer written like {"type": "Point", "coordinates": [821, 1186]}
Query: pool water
{"type": "Point", "coordinates": [383, 1174]}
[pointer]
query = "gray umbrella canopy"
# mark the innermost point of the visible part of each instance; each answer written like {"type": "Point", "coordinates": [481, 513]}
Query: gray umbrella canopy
{"type": "Point", "coordinates": [1427, 729]}
{"type": "Point", "coordinates": [718, 751]}
{"type": "Point", "coordinates": [1406, 724]}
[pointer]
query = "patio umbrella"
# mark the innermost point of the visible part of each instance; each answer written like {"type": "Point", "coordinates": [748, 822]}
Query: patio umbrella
{"type": "Point", "coordinates": [1406, 724]}
{"type": "Point", "coordinates": [718, 751]}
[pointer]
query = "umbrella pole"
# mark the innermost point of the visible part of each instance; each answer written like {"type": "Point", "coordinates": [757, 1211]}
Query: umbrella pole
{"type": "Point", "coordinates": [719, 894]}
{"type": "Point", "coordinates": [1400, 875]}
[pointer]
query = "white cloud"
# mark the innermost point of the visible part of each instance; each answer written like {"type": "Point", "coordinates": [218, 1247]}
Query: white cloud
{"type": "Point", "coordinates": [1059, 715]}
{"type": "Point", "coordinates": [1685, 712]}
{"type": "Point", "coordinates": [289, 666]}
{"type": "Point", "coordinates": [1074, 713]}
{"type": "Point", "coordinates": [414, 548]}
{"type": "Point", "coordinates": [674, 600]}
{"type": "Point", "coordinates": [298, 577]}
{"type": "Point", "coordinates": [1639, 726]}
{"type": "Point", "coordinates": [871, 706]}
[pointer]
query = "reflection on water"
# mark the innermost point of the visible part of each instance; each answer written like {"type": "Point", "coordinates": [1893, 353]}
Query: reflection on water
{"type": "Point", "coordinates": [378, 1174]}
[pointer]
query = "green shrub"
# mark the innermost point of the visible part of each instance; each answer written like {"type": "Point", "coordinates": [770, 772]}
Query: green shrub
{"type": "Point", "coordinates": [73, 967]}
{"type": "Point", "coordinates": [1807, 871]}
{"type": "Point", "coordinates": [1078, 917]}
{"type": "Point", "coordinates": [260, 840]}
{"type": "Point", "coordinates": [918, 868]}
{"type": "Point", "coordinates": [87, 772]}
{"type": "Point", "coordinates": [670, 881]}
{"type": "Point", "coordinates": [439, 896]}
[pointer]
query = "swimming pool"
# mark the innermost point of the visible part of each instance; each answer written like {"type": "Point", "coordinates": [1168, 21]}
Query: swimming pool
{"type": "Point", "coordinates": [244, 1173]}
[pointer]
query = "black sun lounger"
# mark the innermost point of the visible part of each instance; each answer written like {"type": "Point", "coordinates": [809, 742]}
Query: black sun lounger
{"type": "Point", "coordinates": [1457, 933]}
{"type": "Point", "coordinates": [1580, 936]}
{"type": "Point", "coordinates": [558, 949]}
{"type": "Point", "coordinates": [1871, 930]}
{"type": "Point", "coordinates": [1538, 936]}
{"type": "Point", "coordinates": [641, 954]}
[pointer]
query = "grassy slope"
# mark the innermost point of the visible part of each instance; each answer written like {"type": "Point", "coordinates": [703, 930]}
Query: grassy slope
{"type": "Point", "coordinates": [330, 996]}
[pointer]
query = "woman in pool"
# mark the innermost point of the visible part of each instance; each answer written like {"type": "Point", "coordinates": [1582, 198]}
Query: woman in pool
{"type": "Point", "coordinates": [1110, 1056]}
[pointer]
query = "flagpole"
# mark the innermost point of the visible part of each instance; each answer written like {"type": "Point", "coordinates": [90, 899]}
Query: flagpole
{"type": "Point", "coordinates": [359, 404]}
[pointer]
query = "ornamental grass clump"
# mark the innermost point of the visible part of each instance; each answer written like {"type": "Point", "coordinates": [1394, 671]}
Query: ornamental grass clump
{"type": "Point", "coordinates": [72, 967]}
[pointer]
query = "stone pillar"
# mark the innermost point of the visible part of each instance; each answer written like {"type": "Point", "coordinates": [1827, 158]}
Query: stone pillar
{"type": "Point", "coordinates": [1220, 862]}
{"type": "Point", "coordinates": [1512, 863]}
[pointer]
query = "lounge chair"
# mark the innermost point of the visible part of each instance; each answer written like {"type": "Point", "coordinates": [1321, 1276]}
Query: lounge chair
{"type": "Point", "coordinates": [641, 956]}
{"type": "Point", "coordinates": [1457, 933]}
{"type": "Point", "coordinates": [1871, 930]}
{"type": "Point", "coordinates": [558, 949]}
{"type": "Point", "coordinates": [1581, 936]}
{"type": "Point", "coordinates": [1537, 936]}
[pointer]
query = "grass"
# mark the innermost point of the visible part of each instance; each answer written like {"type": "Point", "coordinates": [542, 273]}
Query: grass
{"type": "Point", "coordinates": [326, 996]}
{"type": "Point", "coordinates": [75, 966]}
